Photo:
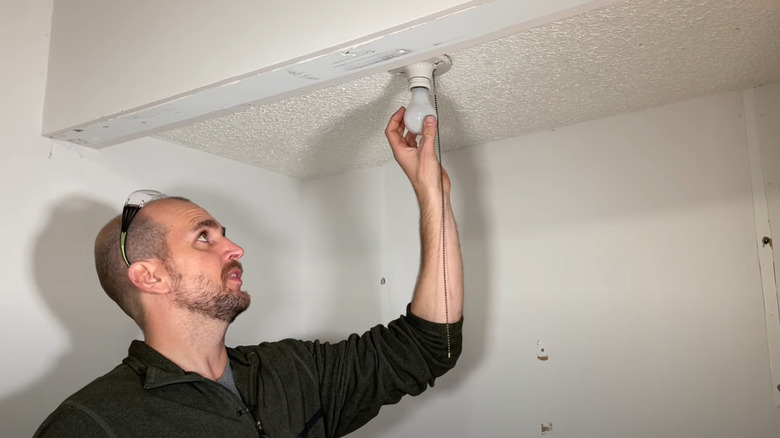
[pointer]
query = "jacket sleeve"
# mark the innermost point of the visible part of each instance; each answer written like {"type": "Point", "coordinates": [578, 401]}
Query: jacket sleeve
{"type": "Point", "coordinates": [360, 374]}
{"type": "Point", "coordinates": [70, 420]}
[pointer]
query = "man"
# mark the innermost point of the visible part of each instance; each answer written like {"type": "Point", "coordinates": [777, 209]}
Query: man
{"type": "Point", "coordinates": [168, 265]}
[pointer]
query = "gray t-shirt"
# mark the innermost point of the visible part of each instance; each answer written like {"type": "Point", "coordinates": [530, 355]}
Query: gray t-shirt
{"type": "Point", "coordinates": [227, 381]}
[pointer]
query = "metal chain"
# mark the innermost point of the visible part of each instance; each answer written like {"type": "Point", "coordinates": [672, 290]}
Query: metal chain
{"type": "Point", "coordinates": [443, 217]}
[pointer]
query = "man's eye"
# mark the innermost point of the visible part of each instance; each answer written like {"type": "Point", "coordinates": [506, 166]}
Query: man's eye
{"type": "Point", "coordinates": [203, 237]}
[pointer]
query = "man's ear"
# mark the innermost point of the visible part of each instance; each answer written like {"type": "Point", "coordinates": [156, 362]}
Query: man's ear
{"type": "Point", "coordinates": [149, 276]}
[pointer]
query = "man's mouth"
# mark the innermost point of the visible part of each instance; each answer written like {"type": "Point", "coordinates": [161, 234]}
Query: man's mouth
{"type": "Point", "coordinates": [235, 275]}
{"type": "Point", "coordinates": [233, 272]}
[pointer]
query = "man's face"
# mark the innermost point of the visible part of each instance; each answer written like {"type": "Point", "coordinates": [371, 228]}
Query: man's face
{"type": "Point", "coordinates": [203, 264]}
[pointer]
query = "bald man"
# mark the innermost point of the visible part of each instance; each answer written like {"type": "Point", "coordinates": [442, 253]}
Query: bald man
{"type": "Point", "coordinates": [168, 265]}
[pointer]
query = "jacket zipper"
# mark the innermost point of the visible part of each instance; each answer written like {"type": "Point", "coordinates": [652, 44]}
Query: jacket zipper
{"type": "Point", "coordinates": [246, 409]}
{"type": "Point", "coordinates": [260, 429]}
{"type": "Point", "coordinates": [253, 395]}
{"type": "Point", "coordinates": [189, 379]}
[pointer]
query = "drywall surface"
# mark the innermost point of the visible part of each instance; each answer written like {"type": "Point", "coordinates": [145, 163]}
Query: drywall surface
{"type": "Point", "coordinates": [625, 246]}
{"type": "Point", "coordinates": [767, 101]}
{"type": "Point", "coordinates": [341, 246]}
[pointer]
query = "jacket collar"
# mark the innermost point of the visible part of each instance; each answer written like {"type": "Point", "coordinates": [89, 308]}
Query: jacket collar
{"type": "Point", "coordinates": [157, 370]}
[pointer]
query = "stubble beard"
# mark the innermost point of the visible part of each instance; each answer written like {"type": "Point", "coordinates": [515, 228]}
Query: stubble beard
{"type": "Point", "coordinates": [209, 298]}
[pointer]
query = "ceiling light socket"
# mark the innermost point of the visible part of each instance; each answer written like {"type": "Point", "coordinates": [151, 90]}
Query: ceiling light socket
{"type": "Point", "coordinates": [420, 74]}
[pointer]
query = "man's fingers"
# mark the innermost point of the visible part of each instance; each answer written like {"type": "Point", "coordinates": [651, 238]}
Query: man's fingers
{"type": "Point", "coordinates": [395, 127]}
{"type": "Point", "coordinates": [395, 132]}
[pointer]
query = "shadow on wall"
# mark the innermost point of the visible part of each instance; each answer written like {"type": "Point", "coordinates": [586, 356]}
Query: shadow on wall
{"type": "Point", "coordinates": [64, 270]}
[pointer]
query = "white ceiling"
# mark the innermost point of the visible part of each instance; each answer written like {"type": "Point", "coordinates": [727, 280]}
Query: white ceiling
{"type": "Point", "coordinates": [625, 57]}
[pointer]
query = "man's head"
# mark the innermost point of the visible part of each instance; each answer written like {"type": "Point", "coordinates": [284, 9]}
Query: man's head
{"type": "Point", "coordinates": [178, 251]}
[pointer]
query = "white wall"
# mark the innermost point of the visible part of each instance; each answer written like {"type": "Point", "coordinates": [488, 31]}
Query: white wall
{"type": "Point", "coordinates": [626, 245]}
{"type": "Point", "coordinates": [341, 242]}
{"type": "Point", "coordinates": [58, 330]}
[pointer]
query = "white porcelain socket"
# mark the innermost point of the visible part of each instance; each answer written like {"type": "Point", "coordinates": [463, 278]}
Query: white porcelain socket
{"type": "Point", "coordinates": [420, 74]}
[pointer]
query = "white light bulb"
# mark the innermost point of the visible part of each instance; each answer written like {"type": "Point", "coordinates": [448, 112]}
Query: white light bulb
{"type": "Point", "coordinates": [419, 107]}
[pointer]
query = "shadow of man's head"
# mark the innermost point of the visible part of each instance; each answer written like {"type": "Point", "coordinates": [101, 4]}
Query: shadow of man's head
{"type": "Point", "coordinates": [64, 270]}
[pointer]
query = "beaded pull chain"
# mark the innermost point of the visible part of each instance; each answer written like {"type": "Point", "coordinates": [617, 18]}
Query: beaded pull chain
{"type": "Point", "coordinates": [443, 219]}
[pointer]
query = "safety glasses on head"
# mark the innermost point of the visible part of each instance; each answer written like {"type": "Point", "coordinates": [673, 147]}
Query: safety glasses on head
{"type": "Point", "coordinates": [135, 202]}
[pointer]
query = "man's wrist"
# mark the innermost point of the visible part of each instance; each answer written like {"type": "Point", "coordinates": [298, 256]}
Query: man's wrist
{"type": "Point", "coordinates": [430, 196]}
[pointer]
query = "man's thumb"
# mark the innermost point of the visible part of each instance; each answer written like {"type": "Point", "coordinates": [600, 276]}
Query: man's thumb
{"type": "Point", "coordinates": [428, 132]}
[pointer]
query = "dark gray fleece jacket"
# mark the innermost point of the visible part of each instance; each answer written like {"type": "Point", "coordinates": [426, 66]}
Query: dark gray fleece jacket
{"type": "Point", "coordinates": [289, 388]}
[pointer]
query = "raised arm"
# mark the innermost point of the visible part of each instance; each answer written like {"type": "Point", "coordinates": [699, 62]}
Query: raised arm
{"type": "Point", "coordinates": [421, 166]}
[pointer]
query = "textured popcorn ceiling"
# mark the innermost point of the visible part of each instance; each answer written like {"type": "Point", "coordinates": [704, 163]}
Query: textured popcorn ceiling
{"type": "Point", "coordinates": [626, 57]}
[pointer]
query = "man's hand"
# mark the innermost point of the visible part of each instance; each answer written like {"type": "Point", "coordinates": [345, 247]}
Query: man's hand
{"type": "Point", "coordinates": [419, 163]}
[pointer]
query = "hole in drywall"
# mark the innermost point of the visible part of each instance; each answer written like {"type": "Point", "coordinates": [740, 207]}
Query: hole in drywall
{"type": "Point", "coordinates": [541, 351]}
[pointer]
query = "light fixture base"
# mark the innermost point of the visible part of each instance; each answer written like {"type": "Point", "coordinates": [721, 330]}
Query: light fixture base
{"type": "Point", "coordinates": [420, 74]}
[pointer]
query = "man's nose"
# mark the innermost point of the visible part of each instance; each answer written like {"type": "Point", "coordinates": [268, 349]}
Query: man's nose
{"type": "Point", "coordinates": [234, 252]}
